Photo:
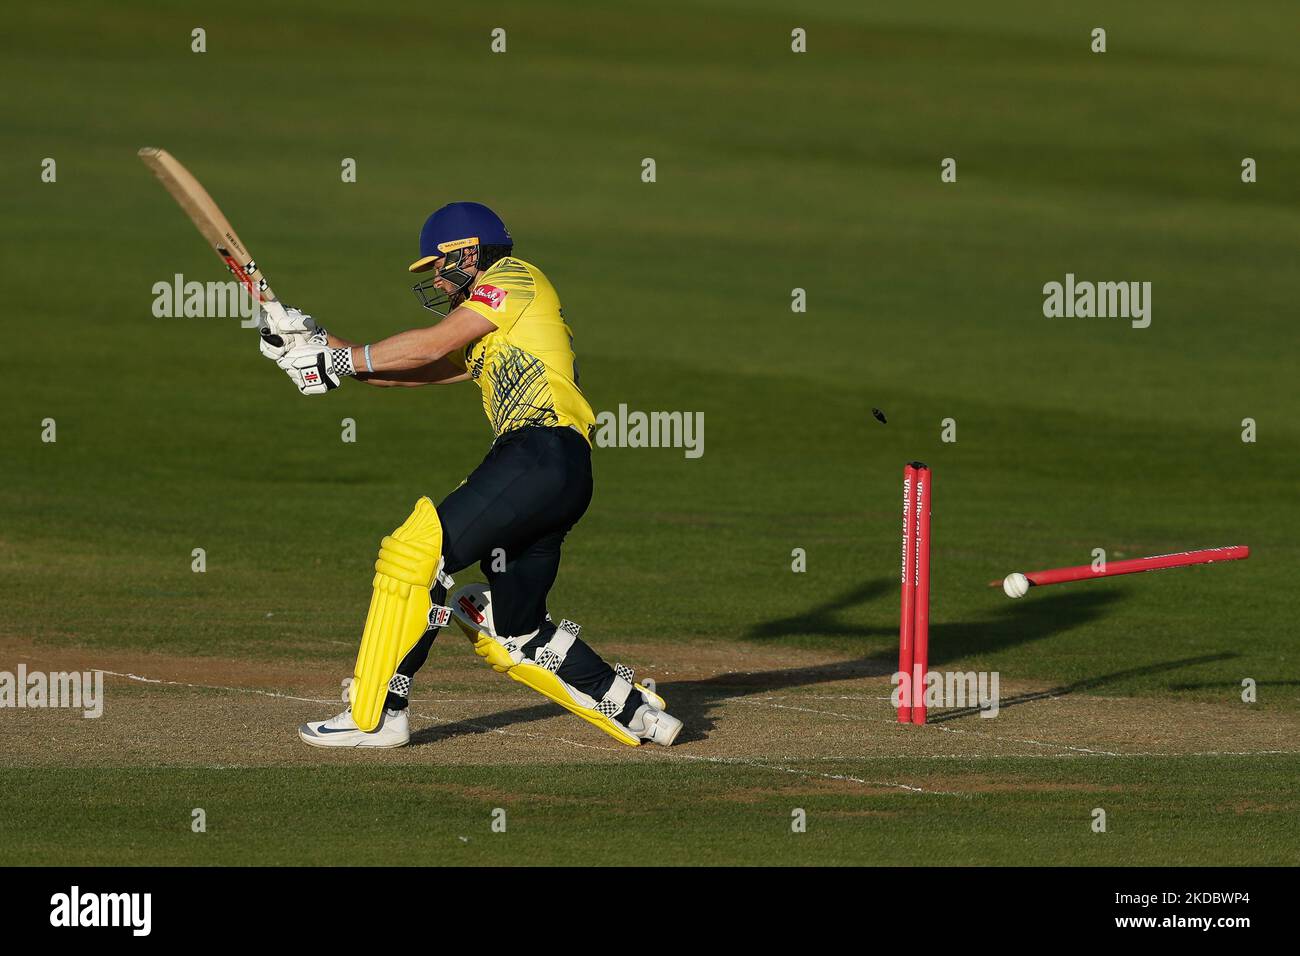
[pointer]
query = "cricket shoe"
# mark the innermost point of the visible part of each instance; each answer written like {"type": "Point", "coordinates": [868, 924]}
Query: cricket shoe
{"type": "Point", "coordinates": [655, 725]}
{"type": "Point", "coordinates": [394, 730]}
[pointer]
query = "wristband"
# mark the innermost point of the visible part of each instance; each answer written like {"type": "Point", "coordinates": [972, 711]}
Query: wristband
{"type": "Point", "coordinates": [341, 362]}
{"type": "Point", "coordinates": [366, 353]}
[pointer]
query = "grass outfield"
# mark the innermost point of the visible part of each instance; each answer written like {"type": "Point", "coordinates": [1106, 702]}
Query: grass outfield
{"type": "Point", "coordinates": [1180, 811]}
{"type": "Point", "coordinates": [775, 171]}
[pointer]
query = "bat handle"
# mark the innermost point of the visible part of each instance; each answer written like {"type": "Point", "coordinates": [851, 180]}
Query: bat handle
{"type": "Point", "coordinates": [275, 341]}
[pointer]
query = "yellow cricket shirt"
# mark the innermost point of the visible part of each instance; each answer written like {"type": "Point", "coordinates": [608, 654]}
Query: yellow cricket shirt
{"type": "Point", "coordinates": [526, 368]}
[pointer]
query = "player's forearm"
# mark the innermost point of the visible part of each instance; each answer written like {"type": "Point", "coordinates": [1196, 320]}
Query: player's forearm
{"type": "Point", "coordinates": [405, 370]}
{"type": "Point", "coordinates": [389, 360]}
{"type": "Point", "coordinates": [441, 372]}
{"type": "Point", "coordinates": [438, 372]}
{"type": "Point", "coordinates": [403, 351]}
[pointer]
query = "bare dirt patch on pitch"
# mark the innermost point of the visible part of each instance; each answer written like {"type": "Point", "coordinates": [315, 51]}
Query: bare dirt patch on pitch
{"type": "Point", "coordinates": [803, 715]}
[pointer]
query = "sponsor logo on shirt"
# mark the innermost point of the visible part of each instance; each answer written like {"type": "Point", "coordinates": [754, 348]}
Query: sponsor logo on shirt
{"type": "Point", "coordinates": [490, 295]}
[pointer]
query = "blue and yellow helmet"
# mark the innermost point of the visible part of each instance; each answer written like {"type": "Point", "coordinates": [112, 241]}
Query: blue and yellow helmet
{"type": "Point", "coordinates": [456, 233]}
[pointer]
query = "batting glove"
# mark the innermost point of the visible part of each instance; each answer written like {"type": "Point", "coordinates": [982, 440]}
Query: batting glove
{"type": "Point", "coordinates": [293, 327]}
{"type": "Point", "coordinates": [316, 369]}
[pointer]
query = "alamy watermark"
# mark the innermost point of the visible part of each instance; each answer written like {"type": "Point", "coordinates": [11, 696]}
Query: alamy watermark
{"type": "Point", "coordinates": [75, 690]}
{"type": "Point", "coordinates": [1103, 300]}
{"type": "Point", "coordinates": [952, 689]}
{"type": "Point", "coordinates": [179, 299]}
{"type": "Point", "coordinates": [625, 429]}
{"type": "Point", "coordinates": [128, 910]}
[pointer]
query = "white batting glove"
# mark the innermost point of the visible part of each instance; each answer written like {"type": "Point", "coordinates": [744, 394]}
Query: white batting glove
{"type": "Point", "coordinates": [316, 369]}
{"type": "Point", "coordinates": [293, 326]}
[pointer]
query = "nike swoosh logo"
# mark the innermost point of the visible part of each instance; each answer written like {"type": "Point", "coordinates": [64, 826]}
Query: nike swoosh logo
{"type": "Point", "coordinates": [335, 730]}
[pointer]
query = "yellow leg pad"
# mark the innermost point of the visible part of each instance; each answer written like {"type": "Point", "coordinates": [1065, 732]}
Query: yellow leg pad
{"type": "Point", "coordinates": [399, 609]}
{"type": "Point", "coordinates": [548, 685]}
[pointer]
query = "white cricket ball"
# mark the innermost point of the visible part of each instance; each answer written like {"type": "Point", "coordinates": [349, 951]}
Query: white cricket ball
{"type": "Point", "coordinates": [1015, 585]}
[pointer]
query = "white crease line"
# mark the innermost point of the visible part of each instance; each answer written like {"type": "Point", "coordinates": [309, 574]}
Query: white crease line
{"type": "Point", "coordinates": [940, 727]}
{"type": "Point", "coordinates": [311, 700]}
{"type": "Point", "coordinates": [266, 693]}
{"type": "Point", "coordinates": [1025, 740]}
{"type": "Point", "coordinates": [805, 710]}
{"type": "Point", "coordinates": [1220, 753]}
{"type": "Point", "coordinates": [1015, 699]}
{"type": "Point", "coordinates": [798, 771]}
{"type": "Point", "coordinates": [238, 690]}
{"type": "Point", "coordinates": [862, 697]}
{"type": "Point", "coordinates": [765, 702]}
{"type": "Point", "coordinates": [858, 758]}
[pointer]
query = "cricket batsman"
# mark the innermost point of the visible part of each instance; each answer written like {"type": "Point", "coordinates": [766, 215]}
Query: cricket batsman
{"type": "Point", "coordinates": [501, 327]}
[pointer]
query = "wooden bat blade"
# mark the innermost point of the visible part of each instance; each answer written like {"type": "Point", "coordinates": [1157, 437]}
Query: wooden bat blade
{"type": "Point", "coordinates": [208, 219]}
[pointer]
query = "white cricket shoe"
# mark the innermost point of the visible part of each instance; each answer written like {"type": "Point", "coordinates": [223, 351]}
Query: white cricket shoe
{"type": "Point", "coordinates": [394, 730]}
{"type": "Point", "coordinates": [657, 726]}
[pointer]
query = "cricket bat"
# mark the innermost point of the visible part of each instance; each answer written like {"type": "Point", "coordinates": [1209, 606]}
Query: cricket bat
{"type": "Point", "coordinates": [213, 225]}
